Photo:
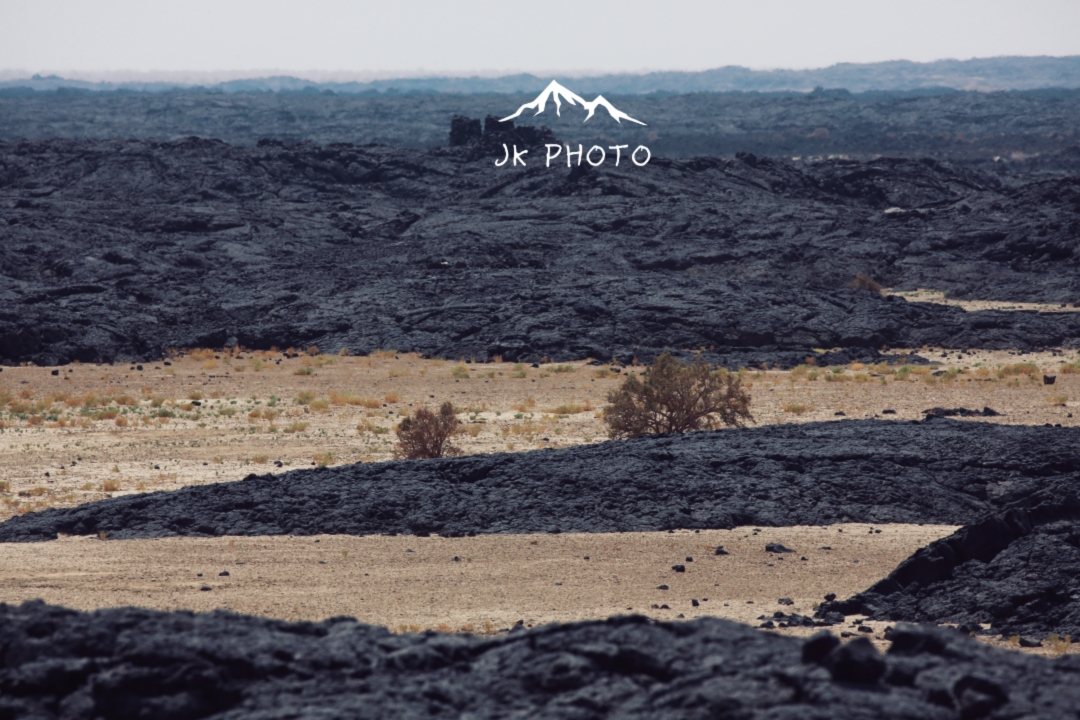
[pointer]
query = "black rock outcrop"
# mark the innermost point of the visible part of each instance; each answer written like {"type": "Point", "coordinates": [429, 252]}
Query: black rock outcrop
{"type": "Point", "coordinates": [132, 663]}
{"type": "Point", "coordinates": [1016, 573]}
{"type": "Point", "coordinates": [946, 472]}
{"type": "Point", "coordinates": [123, 249]}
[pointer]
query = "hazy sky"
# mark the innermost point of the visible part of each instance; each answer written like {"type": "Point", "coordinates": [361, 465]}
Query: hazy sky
{"type": "Point", "coordinates": [443, 36]}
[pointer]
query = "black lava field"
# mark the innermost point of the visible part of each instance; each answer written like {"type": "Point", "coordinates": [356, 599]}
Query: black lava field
{"type": "Point", "coordinates": [132, 663]}
{"type": "Point", "coordinates": [120, 250]}
{"type": "Point", "coordinates": [939, 471]}
{"type": "Point", "coordinates": [1006, 132]}
{"type": "Point", "coordinates": [1017, 573]}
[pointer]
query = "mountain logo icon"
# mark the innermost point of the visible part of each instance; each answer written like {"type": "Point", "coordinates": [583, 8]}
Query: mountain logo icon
{"type": "Point", "coordinates": [558, 93]}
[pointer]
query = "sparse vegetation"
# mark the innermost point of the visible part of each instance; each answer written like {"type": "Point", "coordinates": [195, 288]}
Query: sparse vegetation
{"type": "Point", "coordinates": [1058, 645]}
{"type": "Point", "coordinates": [863, 281]}
{"type": "Point", "coordinates": [796, 408]}
{"type": "Point", "coordinates": [676, 397]}
{"type": "Point", "coordinates": [427, 434]}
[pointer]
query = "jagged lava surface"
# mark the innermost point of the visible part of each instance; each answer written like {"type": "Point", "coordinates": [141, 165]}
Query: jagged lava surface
{"type": "Point", "coordinates": [123, 249]}
{"type": "Point", "coordinates": [941, 471]}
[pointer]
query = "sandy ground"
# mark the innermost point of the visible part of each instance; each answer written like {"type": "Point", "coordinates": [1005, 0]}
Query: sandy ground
{"type": "Point", "coordinates": [411, 584]}
{"type": "Point", "coordinates": [415, 582]}
{"type": "Point", "coordinates": [92, 431]}
{"type": "Point", "coordinates": [936, 296]}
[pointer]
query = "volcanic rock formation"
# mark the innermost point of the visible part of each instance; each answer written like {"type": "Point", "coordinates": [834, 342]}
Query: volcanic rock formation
{"type": "Point", "coordinates": [123, 249]}
{"type": "Point", "coordinates": [128, 662]}
{"type": "Point", "coordinates": [1017, 573]}
{"type": "Point", "coordinates": [943, 472]}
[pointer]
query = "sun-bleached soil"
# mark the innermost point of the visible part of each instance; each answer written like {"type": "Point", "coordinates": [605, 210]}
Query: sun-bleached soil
{"type": "Point", "coordinates": [414, 582]}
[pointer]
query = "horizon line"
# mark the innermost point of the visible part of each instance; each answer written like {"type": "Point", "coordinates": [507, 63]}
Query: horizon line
{"type": "Point", "coordinates": [325, 76]}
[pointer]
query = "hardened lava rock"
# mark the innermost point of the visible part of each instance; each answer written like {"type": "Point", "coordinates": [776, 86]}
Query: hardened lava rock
{"type": "Point", "coordinates": [944, 472]}
{"type": "Point", "coordinates": [133, 663]}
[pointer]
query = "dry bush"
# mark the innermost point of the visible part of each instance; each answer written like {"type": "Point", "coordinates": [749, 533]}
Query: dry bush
{"type": "Point", "coordinates": [320, 406]}
{"type": "Point", "coordinates": [796, 408]}
{"type": "Point", "coordinates": [676, 397]}
{"type": "Point", "coordinates": [863, 281]}
{"type": "Point", "coordinates": [296, 427]}
{"type": "Point", "coordinates": [110, 485]}
{"type": "Point", "coordinates": [121, 421]}
{"type": "Point", "coordinates": [392, 397]}
{"type": "Point", "coordinates": [427, 434]}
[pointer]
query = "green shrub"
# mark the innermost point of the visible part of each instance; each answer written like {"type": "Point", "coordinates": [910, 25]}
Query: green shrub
{"type": "Point", "coordinates": [673, 396]}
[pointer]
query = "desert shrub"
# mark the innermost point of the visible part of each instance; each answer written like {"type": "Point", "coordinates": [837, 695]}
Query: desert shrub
{"type": "Point", "coordinates": [796, 408]}
{"type": "Point", "coordinates": [427, 434]}
{"type": "Point", "coordinates": [863, 281]}
{"type": "Point", "coordinates": [676, 397]}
